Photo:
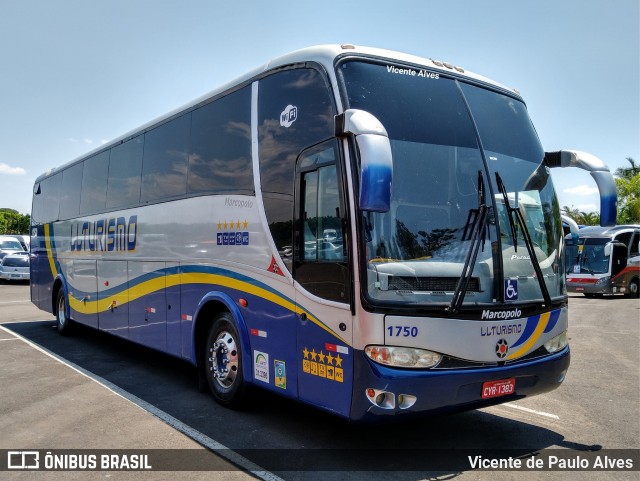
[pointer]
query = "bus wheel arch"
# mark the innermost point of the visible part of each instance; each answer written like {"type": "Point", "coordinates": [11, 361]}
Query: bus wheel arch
{"type": "Point", "coordinates": [222, 353]}
{"type": "Point", "coordinates": [61, 309]}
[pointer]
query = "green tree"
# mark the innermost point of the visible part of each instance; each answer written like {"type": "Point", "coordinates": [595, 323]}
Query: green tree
{"type": "Point", "coordinates": [12, 222]}
{"type": "Point", "coordinates": [628, 189]}
{"type": "Point", "coordinates": [628, 172]}
{"type": "Point", "coordinates": [583, 218]}
{"type": "Point", "coordinates": [590, 218]}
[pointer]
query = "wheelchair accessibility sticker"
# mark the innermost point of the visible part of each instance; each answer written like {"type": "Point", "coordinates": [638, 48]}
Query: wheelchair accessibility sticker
{"type": "Point", "coordinates": [510, 290]}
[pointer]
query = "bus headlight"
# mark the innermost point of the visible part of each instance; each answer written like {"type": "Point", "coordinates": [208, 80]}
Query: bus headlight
{"type": "Point", "coordinates": [603, 281]}
{"type": "Point", "coordinates": [557, 343]}
{"type": "Point", "coordinates": [403, 356]}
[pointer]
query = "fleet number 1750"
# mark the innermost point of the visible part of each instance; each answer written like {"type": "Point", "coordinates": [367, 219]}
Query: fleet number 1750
{"type": "Point", "coordinates": [402, 331]}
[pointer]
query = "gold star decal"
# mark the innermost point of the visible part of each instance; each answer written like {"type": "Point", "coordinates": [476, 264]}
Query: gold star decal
{"type": "Point", "coordinates": [330, 359]}
{"type": "Point", "coordinates": [219, 225]}
{"type": "Point", "coordinates": [314, 354]}
{"type": "Point", "coordinates": [305, 353]}
{"type": "Point", "coordinates": [246, 224]}
{"type": "Point", "coordinates": [321, 356]}
{"type": "Point", "coordinates": [338, 361]}
{"type": "Point", "coordinates": [226, 225]}
{"type": "Point", "coordinates": [239, 224]}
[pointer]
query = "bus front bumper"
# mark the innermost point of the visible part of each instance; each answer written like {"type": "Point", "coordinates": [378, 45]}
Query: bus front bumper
{"type": "Point", "coordinates": [402, 392]}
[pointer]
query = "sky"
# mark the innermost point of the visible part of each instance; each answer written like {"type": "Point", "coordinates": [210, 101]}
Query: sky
{"type": "Point", "coordinates": [77, 73]}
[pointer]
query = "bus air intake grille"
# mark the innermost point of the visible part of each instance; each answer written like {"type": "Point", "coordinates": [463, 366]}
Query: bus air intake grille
{"type": "Point", "coordinates": [430, 284]}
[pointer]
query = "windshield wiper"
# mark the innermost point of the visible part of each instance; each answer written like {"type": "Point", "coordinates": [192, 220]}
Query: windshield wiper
{"type": "Point", "coordinates": [474, 231]}
{"type": "Point", "coordinates": [525, 236]}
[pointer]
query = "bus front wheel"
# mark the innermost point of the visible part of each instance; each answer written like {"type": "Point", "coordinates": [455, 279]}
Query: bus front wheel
{"type": "Point", "coordinates": [634, 288]}
{"type": "Point", "coordinates": [223, 362]}
{"type": "Point", "coordinates": [63, 323]}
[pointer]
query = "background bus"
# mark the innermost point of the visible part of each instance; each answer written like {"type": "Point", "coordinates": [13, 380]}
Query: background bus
{"type": "Point", "coordinates": [368, 232]}
{"type": "Point", "coordinates": [604, 261]}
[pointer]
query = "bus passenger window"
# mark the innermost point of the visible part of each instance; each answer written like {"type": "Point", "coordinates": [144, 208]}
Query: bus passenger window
{"type": "Point", "coordinates": [94, 183]}
{"type": "Point", "coordinates": [220, 147]}
{"type": "Point", "coordinates": [70, 191]}
{"type": "Point", "coordinates": [164, 163]}
{"type": "Point", "coordinates": [125, 168]}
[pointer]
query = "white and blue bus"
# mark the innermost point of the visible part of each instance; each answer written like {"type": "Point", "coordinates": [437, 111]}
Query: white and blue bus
{"type": "Point", "coordinates": [368, 232]}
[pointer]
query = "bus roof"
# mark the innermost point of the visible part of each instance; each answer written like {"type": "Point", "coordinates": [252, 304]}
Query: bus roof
{"type": "Point", "coordinates": [323, 54]}
{"type": "Point", "coordinates": [597, 231]}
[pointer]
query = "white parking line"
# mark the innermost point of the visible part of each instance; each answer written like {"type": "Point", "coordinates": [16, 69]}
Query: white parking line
{"type": "Point", "coordinates": [194, 434]}
{"type": "Point", "coordinates": [532, 411]}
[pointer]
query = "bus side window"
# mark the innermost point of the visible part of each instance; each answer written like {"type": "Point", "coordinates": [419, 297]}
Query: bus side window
{"type": "Point", "coordinates": [321, 261]}
{"type": "Point", "coordinates": [220, 146]}
{"type": "Point", "coordinates": [635, 245]}
{"type": "Point", "coordinates": [94, 183]}
{"type": "Point", "coordinates": [70, 191]}
{"type": "Point", "coordinates": [295, 111]}
{"type": "Point", "coordinates": [164, 161]}
{"type": "Point", "coordinates": [125, 168]}
{"type": "Point", "coordinates": [46, 200]}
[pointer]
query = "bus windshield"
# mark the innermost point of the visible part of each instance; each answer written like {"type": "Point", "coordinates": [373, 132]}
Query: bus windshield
{"type": "Point", "coordinates": [591, 257]}
{"type": "Point", "coordinates": [449, 141]}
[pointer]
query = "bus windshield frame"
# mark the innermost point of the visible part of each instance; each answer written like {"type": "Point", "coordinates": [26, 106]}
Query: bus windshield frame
{"type": "Point", "coordinates": [445, 131]}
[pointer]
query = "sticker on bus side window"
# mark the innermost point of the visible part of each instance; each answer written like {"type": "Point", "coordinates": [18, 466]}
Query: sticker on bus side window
{"type": "Point", "coordinates": [288, 116]}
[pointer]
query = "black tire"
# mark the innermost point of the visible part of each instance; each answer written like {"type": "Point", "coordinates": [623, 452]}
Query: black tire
{"type": "Point", "coordinates": [63, 323]}
{"type": "Point", "coordinates": [634, 289]}
{"type": "Point", "coordinates": [222, 363]}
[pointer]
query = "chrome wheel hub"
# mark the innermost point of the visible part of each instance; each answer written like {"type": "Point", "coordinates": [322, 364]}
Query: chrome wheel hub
{"type": "Point", "coordinates": [223, 360]}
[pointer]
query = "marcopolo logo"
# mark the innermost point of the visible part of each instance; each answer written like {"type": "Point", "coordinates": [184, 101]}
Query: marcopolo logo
{"type": "Point", "coordinates": [512, 314]}
{"type": "Point", "coordinates": [502, 347]}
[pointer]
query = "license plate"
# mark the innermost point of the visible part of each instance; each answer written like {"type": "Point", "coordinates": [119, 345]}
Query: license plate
{"type": "Point", "coordinates": [579, 289]}
{"type": "Point", "coordinates": [15, 275]}
{"type": "Point", "coordinates": [501, 387]}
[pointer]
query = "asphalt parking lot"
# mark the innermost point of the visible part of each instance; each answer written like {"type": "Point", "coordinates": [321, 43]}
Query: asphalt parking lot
{"type": "Point", "coordinates": [93, 392]}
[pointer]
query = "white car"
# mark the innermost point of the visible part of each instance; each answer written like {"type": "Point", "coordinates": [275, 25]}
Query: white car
{"type": "Point", "coordinates": [9, 245]}
{"type": "Point", "coordinates": [15, 267]}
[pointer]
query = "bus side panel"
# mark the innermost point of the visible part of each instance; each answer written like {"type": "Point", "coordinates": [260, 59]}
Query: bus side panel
{"type": "Point", "coordinates": [80, 275]}
{"type": "Point", "coordinates": [148, 304]}
{"type": "Point", "coordinates": [174, 340]}
{"type": "Point", "coordinates": [41, 275]}
{"type": "Point", "coordinates": [325, 367]}
{"type": "Point", "coordinates": [113, 295]}
{"type": "Point", "coordinates": [270, 323]}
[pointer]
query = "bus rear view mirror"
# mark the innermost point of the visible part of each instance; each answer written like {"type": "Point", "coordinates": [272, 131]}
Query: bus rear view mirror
{"type": "Point", "coordinates": [600, 173]}
{"type": "Point", "coordinates": [376, 164]}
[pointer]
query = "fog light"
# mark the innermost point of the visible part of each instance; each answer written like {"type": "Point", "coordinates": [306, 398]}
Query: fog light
{"type": "Point", "coordinates": [382, 399]}
{"type": "Point", "coordinates": [405, 401]}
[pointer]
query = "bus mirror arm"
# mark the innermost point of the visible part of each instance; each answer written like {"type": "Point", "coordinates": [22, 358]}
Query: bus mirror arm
{"type": "Point", "coordinates": [600, 173]}
{"type": "Point", "coordinates": [376, 164]}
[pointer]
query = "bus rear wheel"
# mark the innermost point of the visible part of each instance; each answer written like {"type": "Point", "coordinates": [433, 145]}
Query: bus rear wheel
{"type": "Point", "coordinates": [223, 362]}
{"type": "Point", "coordinates": [634, 288]}
{"type": "Point", "coordinates": [63, 323]}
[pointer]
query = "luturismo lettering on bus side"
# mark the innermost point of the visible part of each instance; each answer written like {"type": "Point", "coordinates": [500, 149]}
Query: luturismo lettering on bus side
{"type": "Point", "coordinates": [499, 330]}
{"type": "Point", "coordinates": [105, 235]}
